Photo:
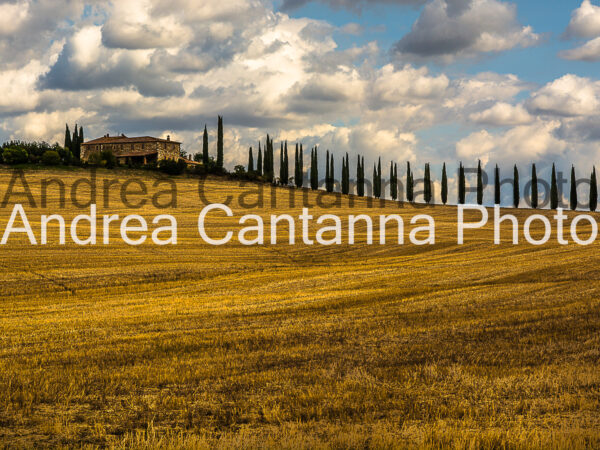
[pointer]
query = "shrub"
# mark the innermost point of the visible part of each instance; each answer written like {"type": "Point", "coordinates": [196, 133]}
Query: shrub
{"type": "Point", "coordinates": [14, 155]}
{"type": "Point", "coordinates": [51, 158]}
{"type": "Point", "coordinates": [172, 167]}
{"type": "Point", "coordinates": [108, 159]}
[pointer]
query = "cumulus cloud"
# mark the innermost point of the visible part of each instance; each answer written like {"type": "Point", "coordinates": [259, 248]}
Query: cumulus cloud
{"type": "Point", "coordinates": [567, 96]}
{"type": "Point", "coordinates": [503, 114]}
{"type": "Point", "coordinates": [353, 5]}
{"type": "Point", "coordinates": [450, 29]}
{"type": "Point", "coordinates": [590, 51]}
{"type": "Point", "coordinates": [585, 21]}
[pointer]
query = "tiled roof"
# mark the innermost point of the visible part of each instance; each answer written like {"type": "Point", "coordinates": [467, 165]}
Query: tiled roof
{"type": "Point", "coordinates": [127, 140]}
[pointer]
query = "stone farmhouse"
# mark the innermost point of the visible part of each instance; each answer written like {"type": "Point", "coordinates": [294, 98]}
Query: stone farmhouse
{"type": "Point", "coordinates": [138, 150]}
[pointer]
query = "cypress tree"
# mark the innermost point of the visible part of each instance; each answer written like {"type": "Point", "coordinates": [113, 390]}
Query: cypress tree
{"type": "Point", "coordinates": [374, 180]}
{"type": "Point", "coordinates": [396, 181]}
{"type": "Point", "coordinates": [259, 161]}
{"type": "Point", "coordinates": [327, 171]}
{"type": "Point", "coordinates": [393, 188]}
{"type": "Point", "coordinates": [331, 175]}
{"type": "Point", "coordinates": [593, 191]}
{"type": "Point", "coordinates": [75, 143]}
{"type": "Point", "coordinates": [534, 188]}
{"type": "Point", "coordinates": [379, 178]}
{"type": "Point", "coordinates": [286, 164]}
{"type": "Point", "coordinates": [497, 198]}
{"type": "Point", "coordinates": [68, 145]}
{"type": "Point", "coordinates": [573, 199]}
{"type": "Point", "coordinates": [516, 193]}
{"type": "Point", "coordinates": [250, 161]}
{"type": "Point", "coordinates": [362, 174]}
{"type": "Point", "coordinates": [553, 190]}
{"type": "Point", "coordinates": [220, 143]}
{"type": "Point", "coordinates": [296, 168]}
{"type": "Point", "coordinates": [444, 185]}
{"type": "Point", "coordinates": [360, 185]}
{"type": "Point", "coordinates": [80, 140]}
{"type": "Point", "coordinates": [300, 181]}
{"type": "Point", "coordinates": [427, 187]}
{"type": "Point", "coordinates": [479, 184]}
{"type": "Point", "coordinates": [205, 158]}
{"type": "Point", "coordinates": [461, 185]}
{"type": "Point", "coordinates": [345, 175]}
{"type": "Point", "coordinates": [409, 183]}
{"type": "Point", "coordinates": [281, 166]}
{"type": "Point", "coordinates": [314, 169]}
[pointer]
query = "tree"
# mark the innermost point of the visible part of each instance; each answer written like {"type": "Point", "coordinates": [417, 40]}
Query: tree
{"type": "Point", "coordinates": [68, 144]}
{"type": "Point", "coordinates": [75, 147]}
{"type": "Point", "coordinates": [296, 168]}
{"type": "Point", "coordinates": [345, 175]}
{"type": "Point", "coordinates": [250, 161]}
{"type": "Point", "coordinates": [444, 185]}
{"type": "Point", "coordinates": [497, 198]}
{"type": "Point", "coordinates": [593, 191]}
{"type": "Point", "coordinates": [360, 182]}
{"type": "Point", "coordinates": [314, 169]}
{"type": "Point", "coordinates": [205, 158]}
{"type": "Point", "coordinates": [331, 174]}
{"type": "Point", "coordinates": [80, 137]}
{"type": "Point", "coordinates": [379, 178]}
{"type": "Point", "coordinates": [516, 193]}
{"type": "Point", "coordinates": [259, 161]}
{"type": "Point", "coordinates": [409, 183]}
{"type": "Point", "coordinates": [553, 190]}
{"type": "Point", "coordinates": [301, 170]}
{"type": "Point", "coordinates": [479, 184]}
{"type": "Point", "coordinates": [220, 143]}
{"type": "Point", "coordinates": [427, 188]}
{"type": "Point", "coordinates": [461, 185]}
{"type": "Point", "coordinates": [573, 202]}
{"type": "Point", "coordinates": [393, 182]}
{"type": "Point", "coordinates": [286, 165]}
{"type": "Point", "coordinates": [534, 188]}
{"type": "Point", "coordinates": [281, 166]}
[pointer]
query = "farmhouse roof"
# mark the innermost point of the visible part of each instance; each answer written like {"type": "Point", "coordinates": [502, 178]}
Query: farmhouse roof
{"type": "Point", "coordinates": [128, 140]}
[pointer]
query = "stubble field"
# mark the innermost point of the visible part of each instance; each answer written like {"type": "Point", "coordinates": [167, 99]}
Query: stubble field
{"type": "Point", "coordinates": [368, 346]}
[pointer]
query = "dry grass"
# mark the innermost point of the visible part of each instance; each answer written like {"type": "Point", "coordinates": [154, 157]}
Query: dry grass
{"type": "Point", "coordinates": [194, 346]}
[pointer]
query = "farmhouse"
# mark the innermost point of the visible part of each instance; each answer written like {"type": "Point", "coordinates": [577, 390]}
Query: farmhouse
{"type": "Point", "coordinates": [141, 150]}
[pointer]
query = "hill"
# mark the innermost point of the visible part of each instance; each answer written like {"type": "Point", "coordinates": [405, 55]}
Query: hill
{"type": "Point", "coordinates": [299, 346]}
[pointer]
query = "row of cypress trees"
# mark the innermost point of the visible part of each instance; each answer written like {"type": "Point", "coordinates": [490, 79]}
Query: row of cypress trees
{"type": "Point", "coordinates": [265, 167]}
{"type": "Point", "coordinates": [73, 141]}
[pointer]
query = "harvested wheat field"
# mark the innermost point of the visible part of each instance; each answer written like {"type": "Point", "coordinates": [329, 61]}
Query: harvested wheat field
{"type": "Point", "coordinates": [342, 346]}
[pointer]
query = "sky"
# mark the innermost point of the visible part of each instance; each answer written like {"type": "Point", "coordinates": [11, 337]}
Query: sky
{"type": "Point", "coordinates": [504, 82]}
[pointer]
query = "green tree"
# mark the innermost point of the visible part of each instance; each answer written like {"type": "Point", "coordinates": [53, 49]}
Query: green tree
{"type": "Point", "coordinates": [379, 178]}
{"type": "Point", "coordinates": [75, 147]}
{"type": "Point", "coordinates": [461, 185]}
{"type": "Point", "coordinates": [497, 197]}
{"type": "Point", "coordinates": [427, 188]}
{"type": "Point", "coordinates": [81, 141]}
{"type": "Point", "coordinates": [409, 183]}
{"type": "Point", "coordinates": [281, 166]}
{"type": "Point", "coordinates": [534, 188]}
{"type": "Point", "coordinates": [314, 169]}
{"type": "Point", "coordinates": [516, 191]}
{"type": "Point", "coordinates": [573, 202]}
{"type": "Point", "coordinates": [68, 144]}
{"type": "Point", "coordinates": [393, 182]}
{"type": "Point", "coordinates": [345, 176]}
{"type": "Point", "coordinates": [479, 184]}
{"type": "Point", "coordinates": [360, 182]}
{"type": "Point", "coordinates": [205, 157]}
{"type": "Point", "coordinates": [300, 181]}
{"type": "Point", "coordinates": [553, 190]}
{"type": "Point", "coordinates": [250, 161]}
{"type": "Point", "coordinates": [220, 143]}
{"type": "Point", "coordinates": [331, 174]}
{"type": "Point", "coordinates": [444, 185]}
{"type": "Point", "coordinates": [593, 191]}
{"type": "Point", "coordinates": [259, 161]}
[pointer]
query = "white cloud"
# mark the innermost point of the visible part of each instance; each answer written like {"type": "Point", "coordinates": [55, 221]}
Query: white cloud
{"type": "Point", "coordinates": [590, 51]}
{"type": "Point", "coordinates": [569, 95]}
{"type": "Point", "coordinates": [585, 21]}
{"type": "Point", "coordinates": [448, 29]}
{"type": "Point", "coordinates": [12, 16]}
{"type": "Point", "coordinates": [503, 114]}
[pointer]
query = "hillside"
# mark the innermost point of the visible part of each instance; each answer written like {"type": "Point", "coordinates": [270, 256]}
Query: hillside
{"type": "Point", "coordinates": [345, 346]}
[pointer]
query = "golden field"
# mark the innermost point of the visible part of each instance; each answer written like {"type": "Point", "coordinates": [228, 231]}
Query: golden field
{"type": "Point", "coordinates": [362, 346]}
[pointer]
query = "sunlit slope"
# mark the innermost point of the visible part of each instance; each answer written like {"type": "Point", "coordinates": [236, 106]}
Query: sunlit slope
{"type": "Point", "coordinates": [345, 345]}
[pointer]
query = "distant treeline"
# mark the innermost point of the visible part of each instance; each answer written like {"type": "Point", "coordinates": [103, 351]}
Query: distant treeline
{"type": "Point", "coordinates": [261, 167]}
